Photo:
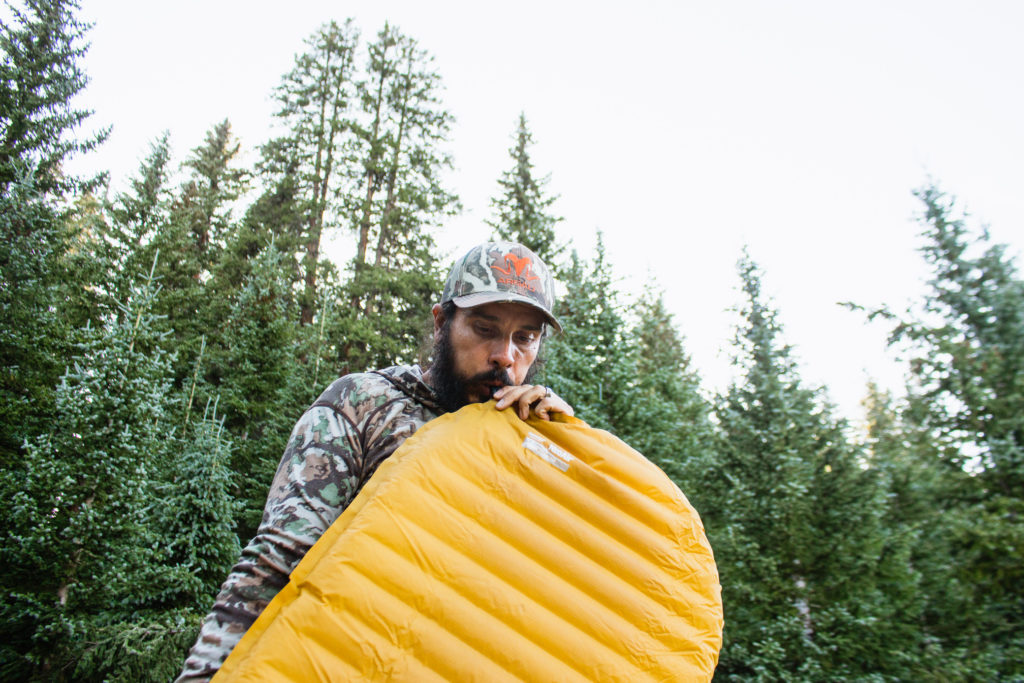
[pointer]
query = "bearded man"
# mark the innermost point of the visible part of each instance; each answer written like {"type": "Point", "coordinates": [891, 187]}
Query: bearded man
{"type": "Point", "coordinates": [495, 311]}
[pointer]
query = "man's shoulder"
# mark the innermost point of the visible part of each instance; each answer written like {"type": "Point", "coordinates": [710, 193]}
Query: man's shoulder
{"type": "Point", "coordinates": [361, 390]}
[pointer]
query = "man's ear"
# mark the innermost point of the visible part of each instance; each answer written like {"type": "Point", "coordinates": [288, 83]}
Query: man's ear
{"type": "Point", "coordinates": [438, 313]}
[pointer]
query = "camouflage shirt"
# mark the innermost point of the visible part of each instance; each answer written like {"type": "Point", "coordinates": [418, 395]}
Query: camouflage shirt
{"type": "Point", "coordinates": [338, 443]}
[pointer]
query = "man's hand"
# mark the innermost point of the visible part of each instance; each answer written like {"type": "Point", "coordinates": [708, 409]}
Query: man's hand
{"type": "Point", "coordinates": [532, 396]}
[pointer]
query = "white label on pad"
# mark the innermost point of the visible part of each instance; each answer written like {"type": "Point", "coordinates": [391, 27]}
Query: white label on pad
{"type": "Point", "coordinates": [549, 452]}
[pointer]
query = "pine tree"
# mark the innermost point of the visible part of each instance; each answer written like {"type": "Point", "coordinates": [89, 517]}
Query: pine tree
{"type": "Point", "coordinates": [39, 76]}
{"type": "Point", "coordinates": [255, 367]}
{"type": "Point", "coordinates": [522, 212]}
{"type": "Point", "coordinates": [316, 97]}
{"type": "Point", "coordinates": [77, 545]}
{"type": "Point", "coordinates": [31, 329]}
{"type": "Point", "coordinates": [397, 199]}
{"type": "Point", "coordinates": [668, 420]}
{"type": "Point", "coordinates": [592, 365]}
{"type": "Point", "coordinates": [966, 414]}
{"type": "Point", "coordinates": [793, 519]}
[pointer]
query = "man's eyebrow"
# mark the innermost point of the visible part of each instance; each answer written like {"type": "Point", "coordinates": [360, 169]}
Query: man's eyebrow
{"type": "Point", "coordinates": [480, 314]}
{"type": "Point", "coordinates": [493, 318]}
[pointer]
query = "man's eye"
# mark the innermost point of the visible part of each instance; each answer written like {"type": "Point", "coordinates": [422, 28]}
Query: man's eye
{"type": "Point", "coordinates": [526, 338]}
{"type": "Point", "coordinates": [484, 331]}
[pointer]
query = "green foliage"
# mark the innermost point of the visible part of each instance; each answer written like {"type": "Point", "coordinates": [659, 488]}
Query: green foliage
{"type": "Point", "coordinates": [32, 335]}
{"type": "Point", "coordinates": [794, 519]}
{"type": "Point", "coordinates": [591, 363]}
{"type": "Point", "coordinates": [390, 320]}
{"type": "Point", "coordinates": [969, 367]}
{"type": "Point", "coordinates": [397, 142]}
{"type": "Point", "coordinates": [667, 420]}
{"type": "Point", "coordinates": [396, 194]}
{"type": "Point", "coordinates": [77, 539]}
{"type": "Point", "coordinates": [965, 433]}
{"type": "Point", "coordinates": [39, 76]}
{"type": "Point", "coordinates": [315, 98]}
{"type": "Point", "coordinates": [206, 199]}
{"type": "Point", "coordinates": [254, 365]}
{"type": "Point", "coordinates": [898, 559]}
{"type": "Point", "coordinates": [193, 238]}
{"type": "Point", "coordinates": [147, 648]}
{"type": "Point", "coordinates": [196, 515]}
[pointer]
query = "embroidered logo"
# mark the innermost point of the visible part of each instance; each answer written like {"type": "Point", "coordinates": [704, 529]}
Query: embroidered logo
{"type": "Point", "coordinates": [518, 271]}
{"type": "Point", "coordinates": [523, 267]}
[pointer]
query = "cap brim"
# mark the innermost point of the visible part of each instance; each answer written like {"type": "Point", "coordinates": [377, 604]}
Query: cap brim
{"type": "Point", "coordinates": [480, 298]}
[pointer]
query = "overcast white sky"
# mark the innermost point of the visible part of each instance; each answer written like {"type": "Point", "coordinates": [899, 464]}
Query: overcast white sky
{"type": "Point", "coordinates": [683, 130]}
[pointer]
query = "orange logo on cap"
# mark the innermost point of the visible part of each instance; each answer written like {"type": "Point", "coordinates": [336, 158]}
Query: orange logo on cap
{"type": "Point", "coordinates": [523, 267]}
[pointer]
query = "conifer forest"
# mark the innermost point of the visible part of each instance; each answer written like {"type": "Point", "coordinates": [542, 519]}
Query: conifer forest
{"type": "Point", "coordinates": [158, 344]}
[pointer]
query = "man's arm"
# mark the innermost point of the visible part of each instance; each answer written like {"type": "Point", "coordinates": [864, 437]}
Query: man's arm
{"type": "Point", "coordinates": [315, 481]}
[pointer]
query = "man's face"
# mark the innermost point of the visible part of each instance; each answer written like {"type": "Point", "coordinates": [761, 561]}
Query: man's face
{"type": "Point", "coordinates": [482, 349]}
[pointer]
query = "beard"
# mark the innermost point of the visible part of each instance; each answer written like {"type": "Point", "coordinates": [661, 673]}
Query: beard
{"type": "Point", "coordinates": [452, 388]}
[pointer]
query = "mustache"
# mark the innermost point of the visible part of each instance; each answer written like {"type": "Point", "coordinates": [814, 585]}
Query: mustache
{"type": "Point", "coordinates": [492, 375]}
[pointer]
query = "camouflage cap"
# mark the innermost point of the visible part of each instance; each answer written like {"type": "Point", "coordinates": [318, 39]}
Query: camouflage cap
{"type": "Point", "coordinates": [501, 271]}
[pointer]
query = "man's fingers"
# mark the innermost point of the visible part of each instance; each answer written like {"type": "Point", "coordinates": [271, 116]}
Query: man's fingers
{"type": "Point", "coordinates": [537, 397]}
{"type": "Point", "coordinates": [528, 398]}
{"type": "Point", "coordinates": [552, 404]}
{"type": "Point", "coordinates": [512, 394]}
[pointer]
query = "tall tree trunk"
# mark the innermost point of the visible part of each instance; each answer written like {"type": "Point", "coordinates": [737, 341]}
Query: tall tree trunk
{"type": "Point", "coordinates": [372, 166]}
{"type": "Point", "coordinates": [389, 204]}
{"type": "Point", "coordinates": [328, 129]}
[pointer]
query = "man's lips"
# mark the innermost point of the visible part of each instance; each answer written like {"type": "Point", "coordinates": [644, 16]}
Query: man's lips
{"type": "Point", "coordinates": [489, 382]}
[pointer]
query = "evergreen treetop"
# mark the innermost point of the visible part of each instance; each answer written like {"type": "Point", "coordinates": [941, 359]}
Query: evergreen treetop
{"type": "Point", "coordinates": [522, 212]}
{"type": "Point", "coordinates": [39, 76]}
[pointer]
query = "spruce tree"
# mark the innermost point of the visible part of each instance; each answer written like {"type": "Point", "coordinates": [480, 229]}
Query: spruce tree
{"type": "Point", "coordinates": [41, 46]}
{"type": "Point", "coordinates": [193, 240]}
{"type": "Point", "coordinates": [196, 517]}
{"type": "Point", "coordinates": [522, 213]}
{"type": "Point", "coordinates": [191, 528]}
{"type": "Point", "coordinates": [397, 199]}
{"type": "Point", "coordinates": [214, 184]}
{"type": "Point", "coordinates": [668, 420]}
{"type": "Point", "coordinates": [32, 332]}
{"type": "Point", "coordinates": [793, 519]}
{"type": "Point", "coordinates": [916, 550]}
{"type": "Point", "coordinates": [278, 215]}
{"type": "Point", "coordinates": [39, 76]}
{"type": "Point", "coordinates": [965, 414]}
{"type": "Point", "coordinates": [254, 365]}
{"type": "Point", "coordinates": [77, 547]}
{"type": "Point", "coordinates": [315, 99]}
{"type": "Point", "coordinates": [399, 153]}
{"type": "Point", "coordinates": [133, 218]}
{"type": "Point", "coordinates": [592, 365]}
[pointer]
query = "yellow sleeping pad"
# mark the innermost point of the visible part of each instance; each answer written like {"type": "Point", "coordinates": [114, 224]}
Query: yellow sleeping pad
{"type": "Point", "coordinates": [491, 549]}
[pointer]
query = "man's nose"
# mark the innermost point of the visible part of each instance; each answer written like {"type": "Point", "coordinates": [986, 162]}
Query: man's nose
{"type": "Point", "coordinates": [503, 353]}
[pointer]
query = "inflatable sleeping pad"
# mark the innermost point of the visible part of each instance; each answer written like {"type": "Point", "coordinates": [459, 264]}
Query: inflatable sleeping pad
{"type": "Point", "coordinates": [491, 549]}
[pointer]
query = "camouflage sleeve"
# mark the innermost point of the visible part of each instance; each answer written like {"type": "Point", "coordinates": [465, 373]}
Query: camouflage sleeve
{"type": "Point", "coordinates": [316, 480]}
